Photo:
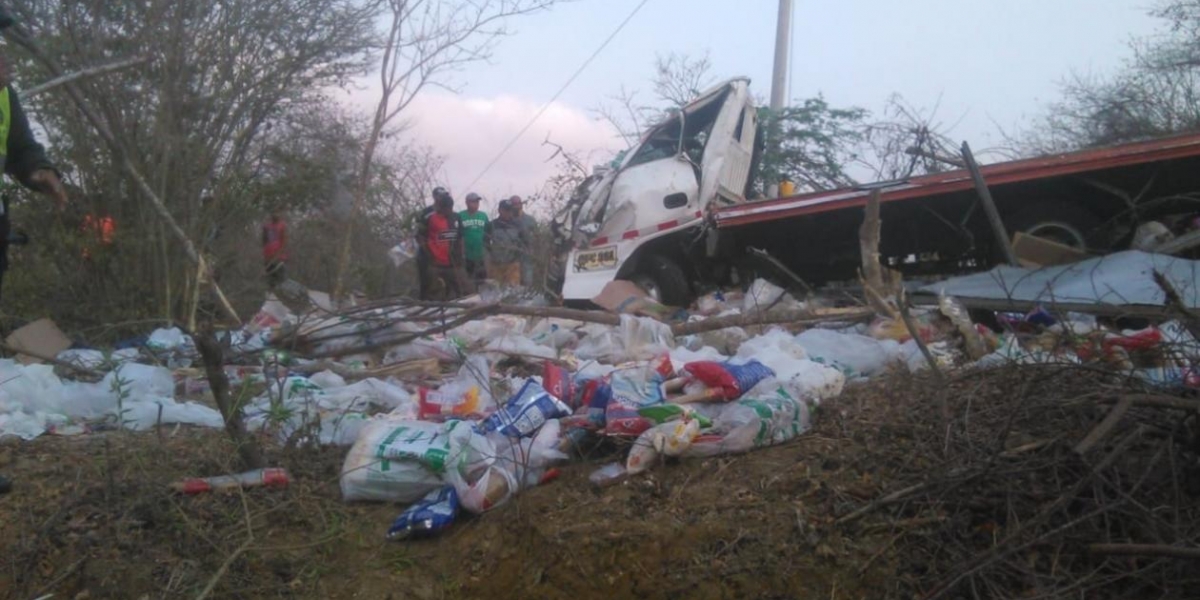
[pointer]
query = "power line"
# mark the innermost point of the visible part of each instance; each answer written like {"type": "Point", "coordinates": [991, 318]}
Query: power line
{"type": "Point", "coordinates": [562, 89]}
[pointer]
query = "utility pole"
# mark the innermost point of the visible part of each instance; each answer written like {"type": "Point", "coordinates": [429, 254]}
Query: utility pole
{"type": "Point", "coordinates": [779, 77]}
{"type": "Point", "coordinates": [783, 35]}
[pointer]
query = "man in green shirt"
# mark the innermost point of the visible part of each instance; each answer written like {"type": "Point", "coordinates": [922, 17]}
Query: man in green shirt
{"type": "Point", "coordinates": [476, 230]}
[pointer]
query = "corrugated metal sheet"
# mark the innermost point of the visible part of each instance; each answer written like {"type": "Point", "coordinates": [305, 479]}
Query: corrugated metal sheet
{"type": "Point", "coordinates": [1056, 165]}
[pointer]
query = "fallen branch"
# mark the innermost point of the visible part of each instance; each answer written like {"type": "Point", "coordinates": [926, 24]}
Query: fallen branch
{"type": "Point", "coordinates": [453, 320]}
{"type": "Point", "coordinates": [1144, 550]}
{"type": "Point", "coordinates": [1175, 302]}
{"type": "Point", "coordinates": [807, 317]}
{"type": "Point", "coordinates": [1105, 426]}
{"type": "Point", "coordinates": [888, 499]}
{"type": "Point", "coordinates": [1160, 401]}
{"type": "Point", "coordinates": [906, 317]}
{"type": "Point", "coordinates": [1006, 546]}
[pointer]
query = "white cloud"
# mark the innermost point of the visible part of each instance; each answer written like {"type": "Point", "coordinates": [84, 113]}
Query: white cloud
{"type": "Point", "coordinates": [471, 131]}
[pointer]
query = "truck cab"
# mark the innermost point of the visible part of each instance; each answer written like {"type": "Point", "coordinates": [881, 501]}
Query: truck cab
{"type": "Point", "coordinates": [636, 220]}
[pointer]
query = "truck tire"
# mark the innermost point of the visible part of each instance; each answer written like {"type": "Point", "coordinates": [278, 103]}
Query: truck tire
{"type": "Point", "coordinates": [1060, 222]}
{"type": "Point", "coordinates": [664, 280]}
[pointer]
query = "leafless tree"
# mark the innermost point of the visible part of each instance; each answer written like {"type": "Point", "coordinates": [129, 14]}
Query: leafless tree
{"type": "Point", "coordinates": [425, 41]}
{"type": "Point", "coordinates": [1156, 92]}
{"type": "Point", "coordinates": [222, 73]}
{"type": "Point", "coordinates": [678, 79]}
{"type": "Point", "coordinates": [906, 141]}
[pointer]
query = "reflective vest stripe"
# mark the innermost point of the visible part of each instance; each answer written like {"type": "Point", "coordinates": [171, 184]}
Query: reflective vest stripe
{"type": "Point", "coordinates": [5, 121]}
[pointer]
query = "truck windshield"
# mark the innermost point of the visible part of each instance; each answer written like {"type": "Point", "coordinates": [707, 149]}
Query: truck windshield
{"type": "Point", "coordinates": [666, 140]}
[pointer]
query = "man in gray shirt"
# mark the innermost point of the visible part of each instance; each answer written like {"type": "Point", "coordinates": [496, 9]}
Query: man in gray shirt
{"type": "Point", "coordinates": [528, 228]}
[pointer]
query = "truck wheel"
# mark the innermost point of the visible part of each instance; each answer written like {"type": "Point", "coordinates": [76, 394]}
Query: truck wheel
{"type": "Point", "coordinates": [664, 280]}
{"type": "Point", "coordinates": [1064, 223]}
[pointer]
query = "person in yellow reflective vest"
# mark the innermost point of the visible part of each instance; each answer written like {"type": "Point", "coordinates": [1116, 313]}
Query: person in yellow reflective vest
{"type": "Point", "coordinates": [24, 160]}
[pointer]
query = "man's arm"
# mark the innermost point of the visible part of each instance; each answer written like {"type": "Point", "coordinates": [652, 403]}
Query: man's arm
{"type": "Point", "coordinates": [26, 160]}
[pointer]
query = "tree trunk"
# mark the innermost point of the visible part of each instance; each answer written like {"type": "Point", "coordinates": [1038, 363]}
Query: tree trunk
{"type": "Point", "coordinates": [235, 425]}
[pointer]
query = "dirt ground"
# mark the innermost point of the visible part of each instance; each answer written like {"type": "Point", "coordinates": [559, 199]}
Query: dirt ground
{"type": "Point", "coordinates": [91, 517]}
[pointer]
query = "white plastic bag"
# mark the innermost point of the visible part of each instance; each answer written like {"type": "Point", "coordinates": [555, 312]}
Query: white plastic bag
{"type": "Point", "coordinates": [137, 380]}
{"type": "Point", "coordinates": [761, 295]}
{"type": "Point", "coordinates": [443, 349]}
{"type": "Point", "coordinates": [636, 338]}
{"type": "Point", "coordinates": [855, 355]}
{"type": "Point", "coordinates": [403, 252]}
{"type": "Point", "coordinates": [752, 423]}
{"type": "Point", "coordinates": [170, 340]}
{"type": "Point", "coordinates": [401, 461]}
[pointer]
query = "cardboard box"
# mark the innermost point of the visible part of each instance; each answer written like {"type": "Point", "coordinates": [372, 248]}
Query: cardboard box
{"type": "Point", "coordinates": [1033, 252]}
{"type": "Point", "coordinates": [41, 337]}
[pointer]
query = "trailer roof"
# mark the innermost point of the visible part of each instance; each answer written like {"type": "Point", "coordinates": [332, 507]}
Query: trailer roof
{"type": "Point", "coordinates": [1054, 165]}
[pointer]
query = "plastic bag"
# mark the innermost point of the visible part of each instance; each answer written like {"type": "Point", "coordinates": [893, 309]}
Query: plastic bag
{"type": "Point", "coordinates": [607, 474]}
{"type": "Point", "coordinates": [730, 379]}
{"type": "Point", "coordinates": [631, 390]}
{"type": "Point", "coordinates": [136, 379]}
{"type": "Point", "coordinates": [467, 395]}
{"type": "Point", "coordinates": [168, 340]}
{"type": "Point", "coordinates": [403, 252]}
{"type": "Point", "coordinates": [446, 349]}
{"type": "Point", "coordinates": [559, 384]}
{"type": "Point", "coordinates": [637, 338]}
{"type": "Point", "coordinates": [761, 295]}
{"type": "Point", "coordinates": [667, 439]}
{"type": "Point", "coordinates": [664, 413]}
{"type": "Point", "coordinates": [750, 423]}
{"type": "Point", "coordinates": [525, 412]}
{"type": "Point", "coordinates": [430, 515]}
{"type": "Point", "coordinates": [855, 355]}
{"type": "Point", "coordinates": [401, 461]}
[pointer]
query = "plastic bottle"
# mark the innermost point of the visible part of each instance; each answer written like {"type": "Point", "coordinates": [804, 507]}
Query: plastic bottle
{"type": "Point", "coordinates": [255, 478]}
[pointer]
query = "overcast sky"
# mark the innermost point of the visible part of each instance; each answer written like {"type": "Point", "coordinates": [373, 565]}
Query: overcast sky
{"type": "Point", "coordinates": [984, 63]}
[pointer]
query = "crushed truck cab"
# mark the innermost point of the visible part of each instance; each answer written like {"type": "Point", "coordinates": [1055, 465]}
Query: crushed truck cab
{"type": "Point", "coordinates": [634, 221]}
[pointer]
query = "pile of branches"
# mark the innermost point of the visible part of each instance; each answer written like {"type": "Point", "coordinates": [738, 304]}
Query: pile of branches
{"type": "Point", "coordinates": [1034, 481]}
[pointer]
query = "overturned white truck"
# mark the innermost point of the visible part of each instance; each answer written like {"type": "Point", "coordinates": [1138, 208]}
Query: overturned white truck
{"type": "Point", "coordinates": [673, 215]}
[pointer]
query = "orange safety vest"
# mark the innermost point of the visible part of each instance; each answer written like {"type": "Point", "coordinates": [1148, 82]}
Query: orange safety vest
{"type": "Point", "coordinates": [105, 228]}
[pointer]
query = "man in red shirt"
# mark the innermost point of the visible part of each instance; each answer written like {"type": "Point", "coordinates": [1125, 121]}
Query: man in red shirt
{"type": "Point", "coordinates": [274, 241]}
{"type": "Point", "coordinates": [443, 244]}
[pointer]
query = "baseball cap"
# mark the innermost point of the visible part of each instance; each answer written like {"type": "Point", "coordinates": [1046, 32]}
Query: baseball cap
{"type": "Point", "coordinates": [505, 205]}
{"type": "Point", "coordinates": [440, 192]}
{"type": "Point", "coordinates": [473, 197]}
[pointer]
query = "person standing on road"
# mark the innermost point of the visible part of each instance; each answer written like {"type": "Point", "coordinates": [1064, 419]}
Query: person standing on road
{"type": "Point", "coordinates": [274, 249]}
{"type": "Point", "coordinates": [24, 160]}
{"type": "Point", "coordinates": [475, 231]}
{"type": "Point", "coordinates": [528, 229]}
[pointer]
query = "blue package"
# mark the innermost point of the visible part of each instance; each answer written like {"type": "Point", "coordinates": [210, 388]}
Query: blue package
{"type": "Point", "coordinates": [431, 514]}
{"type": "Point", "coordinates": [524, 414]}
{"type": "Point", "coordinates": [749, 374]}
{"type": "Point", "coordinates": [596, 396]}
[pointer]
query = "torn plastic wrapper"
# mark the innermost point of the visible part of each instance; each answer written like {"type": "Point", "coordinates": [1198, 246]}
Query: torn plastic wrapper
{"type": "Point", "coordinates": [730, 379]}
{"type": "Point", "coordinates": [525, 412]}
{"type": "Point", "coordinates": [631, 390]}
{"type": "Point", "coordinates": [668, 439]}
{"type": "Point", "coordinates": [750, 423]}
{"type": "Point", "coordinates": [430, 515]}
